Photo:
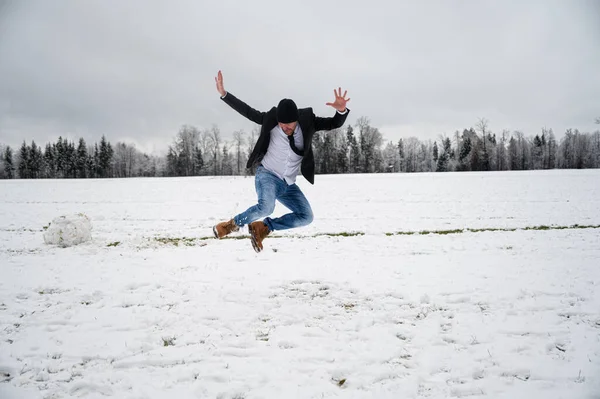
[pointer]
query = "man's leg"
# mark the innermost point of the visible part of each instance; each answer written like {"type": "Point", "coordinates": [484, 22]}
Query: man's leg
{"type": "Point", "coordinates": [293, 198]}
{"type": "Point", "coordinates": [267, 187]}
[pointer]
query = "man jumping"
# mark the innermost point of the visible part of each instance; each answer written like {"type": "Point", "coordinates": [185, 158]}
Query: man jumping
{"type": "Point", "coordinates": [283, 149]}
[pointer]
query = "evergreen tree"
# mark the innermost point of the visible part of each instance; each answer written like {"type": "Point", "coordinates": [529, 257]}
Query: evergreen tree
{"type": "Point", "coordinates": [226, 168]}
{"type": "Point", "coordinates": [9, 167]}
{"type": "Point", "coordinates": [354, 150]}
{"type": "Point", "coordinates": [81, 159]}
{"type": "Point", "coordinates": [24, 162]}
{"type": "Point", "coordinates": [401, 166]}
{"type": "Point", "coordinates": [49, 162]}
{"type": "Point", "coordinates": [198, 161]}
{"type": "Point", "coordinates": [172, 169]}
{"type": "Point", "coordinates": [70, 160]}
{"type": "Point", "coordinates": [435, 151]}
{"type": "Point", "coordinates": [443, 159]}
{"type": "Point", "coordinates": [442, 163]}
{"type": "Point", "coordinates": [35, 161]}
{"type": "Point", "coordinates": [89, 165]}
{"type": "Point", "coordinates": [96, 161]}
{"type": "Point", "coordinates": [447, 148]}
{"type": "Point", "coordinates": [342, 165]}
{"type": "Point", "coordinates": [465, 152]}
{"type": "Point", "coordinates": [59, 152]}
{"type": "Point", "coordinates": [327, 154]}
{"type": "Point", "coordinates": [105, 158]}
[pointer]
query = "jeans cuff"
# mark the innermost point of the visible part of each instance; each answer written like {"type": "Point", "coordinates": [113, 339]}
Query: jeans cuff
{"type": "Point", "coordinates": [268, 223]}
{"type": "Point", "coordinates": [238, 222]}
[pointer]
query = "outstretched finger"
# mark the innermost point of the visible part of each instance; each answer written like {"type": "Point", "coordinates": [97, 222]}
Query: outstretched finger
{"type": "Point", "coordinates": [345, 92]}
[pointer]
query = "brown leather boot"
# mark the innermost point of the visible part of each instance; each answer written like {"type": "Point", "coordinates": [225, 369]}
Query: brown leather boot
{"type": "Point", "coordinates": [224, 228]}
{"type": "Point", "coordinates": [258, 232]}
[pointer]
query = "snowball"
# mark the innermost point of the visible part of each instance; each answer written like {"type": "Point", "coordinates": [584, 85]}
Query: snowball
{"type": "Point", "coordinates": [66, 231]}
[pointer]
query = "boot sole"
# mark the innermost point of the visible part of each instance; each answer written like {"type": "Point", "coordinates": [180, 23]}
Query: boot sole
{"type": "Point", "coordinates": [253, 239]}
{"type": "Point", "coordinates": [216, 233]}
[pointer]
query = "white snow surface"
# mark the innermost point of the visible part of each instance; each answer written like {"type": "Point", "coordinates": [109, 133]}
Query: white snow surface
{"type": "Point", "coordinates": [475, 314]}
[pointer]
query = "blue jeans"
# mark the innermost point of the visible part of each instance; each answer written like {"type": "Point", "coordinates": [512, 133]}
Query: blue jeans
{"type": "Point", "coordinates": [269, 188]}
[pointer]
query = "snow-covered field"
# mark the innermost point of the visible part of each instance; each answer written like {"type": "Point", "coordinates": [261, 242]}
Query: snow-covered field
{"type": "Point", "coordinates": [317, 314]}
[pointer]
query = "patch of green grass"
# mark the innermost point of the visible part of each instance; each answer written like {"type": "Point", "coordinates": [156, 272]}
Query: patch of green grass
{"type": "Point", "coordinates": [168, 341]}
{"type": "Point", "coordinates": [113, 244]}
{"type": "Point", "coordinates": [576, 226]}
{"type": "Point", "coordinates": [176, 241]}
{"type": "Point", "coordinates": [262, 336]}
{"type": "Point", "coordinates": [192, 241]}
{"type": "Point", "coordinates": [340, 382]}
{"type": "Point", "coordinates": [341, 234]}
{"type": "Point", "coordinates": [426, 232]}
{"type": "Point", "coordinates": [444, 232]}
{"type": "Point", "coordinates": [541, 228]}
{"type": "Point", "coordinates": [492, 229]}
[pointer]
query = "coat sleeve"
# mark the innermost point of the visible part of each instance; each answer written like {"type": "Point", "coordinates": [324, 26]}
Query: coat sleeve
{"type": "Point", "coordinates": [243, 108]}
{"type": "Point", "coordinates": [331, 123]}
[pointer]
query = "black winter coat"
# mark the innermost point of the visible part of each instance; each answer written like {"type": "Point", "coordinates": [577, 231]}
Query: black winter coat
{"type": "Point", "coordinates": [309, 123]}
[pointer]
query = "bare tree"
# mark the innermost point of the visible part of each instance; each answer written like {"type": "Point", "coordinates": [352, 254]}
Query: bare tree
{"type": "Point", "coordinates": [411, 147]}
{"type": "Point", "coordinates": [501, 153]}
{"type": "Point", "coordinates": [238, 140]}
{"type": "Point", "coordinates": [523, 157]}
{"type": "Point", "coordinates": [370, 141]}
{"type": "Point", "coordinates": [482, 126]}
{"type": "Point", "coordinates": [125, 159]}
{"type": "Point", "coordinates": [391, 157]}
{"type": "Point", "coordinates": [215, 143]}
{"type": "Point", "coordinates": [596, 148]}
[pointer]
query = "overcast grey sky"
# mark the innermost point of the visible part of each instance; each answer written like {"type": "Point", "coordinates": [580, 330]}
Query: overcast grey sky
{"type": "Point", "coordinates": [138, 70]}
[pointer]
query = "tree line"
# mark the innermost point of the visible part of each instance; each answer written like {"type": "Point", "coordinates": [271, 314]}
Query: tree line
{"type": "Point", "coordinates": [358, 148]}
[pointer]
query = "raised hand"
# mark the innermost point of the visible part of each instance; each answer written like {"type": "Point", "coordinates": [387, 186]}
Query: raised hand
{"type": "Point", "coordinates": [219, 82]}
{"type": "Point", "coordinates": [340, 101]}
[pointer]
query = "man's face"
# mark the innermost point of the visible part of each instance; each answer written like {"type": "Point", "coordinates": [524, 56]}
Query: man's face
{"type": "Point", "coordinates": [288, 128]}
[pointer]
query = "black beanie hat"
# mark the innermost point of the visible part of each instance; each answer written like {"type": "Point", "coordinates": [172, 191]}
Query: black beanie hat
{"type": "Point", "coordinates": [287, 111]}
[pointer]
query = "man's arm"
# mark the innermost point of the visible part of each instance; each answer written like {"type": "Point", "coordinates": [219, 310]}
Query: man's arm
{"type": "Point", "coordinates": [237, 104]}
{"type": "Point", "coordinates": [333, 122]}
{"type": "Point", "coordinates": [243, 108]}
{"type": "Point", "coordinates": [340, 116]}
